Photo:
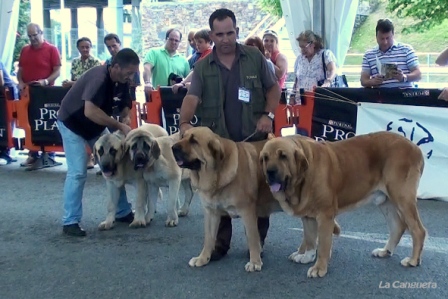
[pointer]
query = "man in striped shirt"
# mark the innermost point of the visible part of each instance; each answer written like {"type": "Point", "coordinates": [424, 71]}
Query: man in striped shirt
{"type": "Point", "coordinates": [389, 52]}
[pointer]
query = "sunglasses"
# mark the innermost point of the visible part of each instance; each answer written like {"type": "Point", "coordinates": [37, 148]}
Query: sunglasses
{"type": "Point", "coordinates": [306, 46]}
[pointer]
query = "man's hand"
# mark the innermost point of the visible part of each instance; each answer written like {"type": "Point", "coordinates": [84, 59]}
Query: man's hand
{"type": "Point", "coordinates": [444, 94]}
{"type": "Point", "coordinates": [126, 120]}
{"type": "Point", "coordinates": [124, 128]}
{"type": "Point", "coordinates": [41, 82]}
{"type": "Point", "coordinates": [148, 87]}
{"type": "Point", "coordinates": [176, 87]}
{"type": "Point", "coordinates": [67, 83]}
{"type": "Point", "coordinates": [398, 75]}
{"type": "Point", "coordinates": [183, 128]}
{"type": "Point", "coordinates": [326, 83]}
{"type": "Point", "coordinates": [264, 124]}
{"type": "Point", "coordinates": [377, 80]}
{"type": "Point", "coordinates": [22, 86]}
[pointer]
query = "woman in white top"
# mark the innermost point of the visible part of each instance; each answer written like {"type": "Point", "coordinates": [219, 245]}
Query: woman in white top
{"type": "Point", "coordinates": [308, 67]}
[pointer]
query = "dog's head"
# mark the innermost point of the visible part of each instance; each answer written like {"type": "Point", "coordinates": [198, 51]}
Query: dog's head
{"type": "Point", "coordinates": [198, 147]}
{"type": "Point", "coordinates": [108, 151]}
{"type": "Point", "coordinates": [283, 162]}
{"type": "Point", "coordinates": [143, 148]}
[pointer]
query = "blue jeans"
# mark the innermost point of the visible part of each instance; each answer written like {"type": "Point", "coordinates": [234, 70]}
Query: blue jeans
{"type": "Point", "coordinates": [75, 154]}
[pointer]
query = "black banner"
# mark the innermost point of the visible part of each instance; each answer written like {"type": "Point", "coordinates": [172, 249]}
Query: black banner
{"type": "Point", "coordinates": [335, 114]}
{"type": "Point", "coordinates": [4, 133]}
{"type": "Point", "coordinates": [171, 104]}
{"type": "Point", "coordinates": [42, 114]}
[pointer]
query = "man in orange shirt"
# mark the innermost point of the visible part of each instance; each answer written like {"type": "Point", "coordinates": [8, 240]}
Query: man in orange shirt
{"type": "Point", "coordinates": [39, 64]}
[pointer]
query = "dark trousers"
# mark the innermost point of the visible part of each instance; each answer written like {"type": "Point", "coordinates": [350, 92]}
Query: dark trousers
{"type": "Point", "coordinates": [224, 236]}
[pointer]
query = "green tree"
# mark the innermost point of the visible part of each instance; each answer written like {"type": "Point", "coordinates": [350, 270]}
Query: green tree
{"type": "Point", "coordinates": [272, 7]}
{"type": "Point", "coordinates": [21, 35]}
{"type": "Point", "coordinates": [426, 13]}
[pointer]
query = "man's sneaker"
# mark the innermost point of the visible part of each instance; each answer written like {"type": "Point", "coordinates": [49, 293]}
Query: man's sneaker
{"type": "Point", "coordinates": [74, 230]}
{"type": "Point", "coordinates": [126, 219]}
{"type": "Point", "coordinates": [29, 161]}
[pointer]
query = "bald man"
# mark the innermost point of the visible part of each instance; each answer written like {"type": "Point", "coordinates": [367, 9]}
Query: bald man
{"type": "Point", "coordinates": [39, 64]}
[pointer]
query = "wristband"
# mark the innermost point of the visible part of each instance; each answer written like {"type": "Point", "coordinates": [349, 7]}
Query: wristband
{"type": "Point", "coordinates": [184, 122]}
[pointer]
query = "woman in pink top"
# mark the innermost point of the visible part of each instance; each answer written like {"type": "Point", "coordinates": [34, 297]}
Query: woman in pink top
{"type": "Point", "coordinates": [270, 43]}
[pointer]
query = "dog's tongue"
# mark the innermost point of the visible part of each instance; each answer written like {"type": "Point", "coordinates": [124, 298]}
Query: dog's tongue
{"type": "Point", "coordinates": [107, 173]}
{"type": "Point", "coordinates": [275, 187]}
{"type": "Point", "coordinates": [180, 162]}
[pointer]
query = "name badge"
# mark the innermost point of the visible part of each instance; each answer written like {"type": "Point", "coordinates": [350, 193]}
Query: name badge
{"type": "Point", "coordinates": [243, 95]}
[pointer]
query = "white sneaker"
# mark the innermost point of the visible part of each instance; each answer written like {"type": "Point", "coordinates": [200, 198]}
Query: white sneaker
{"type": "Point", "coordinates": [3, 162]}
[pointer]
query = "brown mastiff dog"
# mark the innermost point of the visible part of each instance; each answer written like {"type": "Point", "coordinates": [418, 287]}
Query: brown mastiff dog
{"type": "Point", "coordinates": [319, 180]}
{"type": "Point", "coordinates": [229, 180]}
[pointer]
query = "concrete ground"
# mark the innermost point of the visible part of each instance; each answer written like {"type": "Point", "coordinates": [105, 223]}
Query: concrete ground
{"type": "Point", "coordinates": [37, 261]}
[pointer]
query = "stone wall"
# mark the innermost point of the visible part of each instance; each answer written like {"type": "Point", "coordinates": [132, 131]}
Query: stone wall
{"type": "Point", "coordinates": [157, 18]}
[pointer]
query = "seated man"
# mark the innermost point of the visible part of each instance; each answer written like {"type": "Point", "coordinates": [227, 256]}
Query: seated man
{"type": "Point", "coordinates": [398, 57]}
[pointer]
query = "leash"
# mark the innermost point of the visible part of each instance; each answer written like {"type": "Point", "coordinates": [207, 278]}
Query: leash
{"type": "Point", "coordinates": [250, 136]}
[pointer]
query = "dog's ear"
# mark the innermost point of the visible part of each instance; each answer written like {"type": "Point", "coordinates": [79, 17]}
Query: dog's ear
{"type": "Point", "coordinates": [271, 136]}
{"type": "Point", "coordinates": [94, 150]}
{"type": "Point", "coordinates": [216, 150]}
{"type": "Point", "coordinates": [301, 162]}
{"type": "Point", "coordinates": [124, 148]}
{"type": "Point", "coordinates": [155, 149]}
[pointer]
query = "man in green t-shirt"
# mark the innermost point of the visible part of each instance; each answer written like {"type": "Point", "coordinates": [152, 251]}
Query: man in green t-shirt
{"type": "Point", "coordinates": [160, 62]}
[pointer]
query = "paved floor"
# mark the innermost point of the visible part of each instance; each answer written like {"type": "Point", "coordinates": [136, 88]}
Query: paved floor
{"type": "Point", "coordinates": [37, 261]}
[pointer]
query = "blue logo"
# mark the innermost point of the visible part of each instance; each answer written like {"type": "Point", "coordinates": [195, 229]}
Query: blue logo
{"type": "Point", "coordinates": [415, 132]}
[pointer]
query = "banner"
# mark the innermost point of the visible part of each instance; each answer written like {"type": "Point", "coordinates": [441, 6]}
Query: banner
{"type": "Point", "coordinates": [171, 104]}
{"type": "Point", "coordinates": [426, 127]}
{"type": "Point", "coordinates": [333, 120]}
{"type": "Point", "coordinates": [42, 114]}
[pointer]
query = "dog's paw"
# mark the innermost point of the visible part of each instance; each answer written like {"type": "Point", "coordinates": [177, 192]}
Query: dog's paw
{"type": "Point", "coordinates": [252, 266]}
{"type": "Point", "coordinates": [171, 222]}
{"type": "Point", "coordinates": [381, 252]}
{"type": "Point", "coordinates": [182, 212]}
{"type": "Point", "coordinates": [138, 223]}
{"type": "Point", "coordinates": [303, 258]}
{"type": "Point", "coordinates": [198, 261]}
{"type": "Point", "coordinates": [409, 262]}
{"type": "Point", "coordinates": [148, 220]}
{"type": "Point", "coordinates": [316, 271]}
{"type": "Point", "coordinates": [106, 225]}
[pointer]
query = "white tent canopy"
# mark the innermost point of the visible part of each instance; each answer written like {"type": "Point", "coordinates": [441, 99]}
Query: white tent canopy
{"type": "Point", "coordinates": [9, 15]}
{"type": "Point", "coordinates": [333, 20]}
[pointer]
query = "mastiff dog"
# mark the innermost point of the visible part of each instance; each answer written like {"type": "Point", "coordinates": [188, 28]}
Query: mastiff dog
{"type": "Point", "coordinates": [118, 169]}
{"type": "Point", "coordinates": [153, 156]}
{"type": "Point", "coordinates": [319, 180]}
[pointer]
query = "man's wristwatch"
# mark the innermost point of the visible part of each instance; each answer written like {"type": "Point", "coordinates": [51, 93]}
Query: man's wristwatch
{"type": "Point", "coordinates": [45, 82]}
{"type": "Point", "coordinates": [270, 115]}
{"type": "Point", "coordinates": [405, 78]}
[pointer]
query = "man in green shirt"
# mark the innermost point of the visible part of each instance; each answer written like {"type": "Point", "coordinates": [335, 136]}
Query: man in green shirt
{"type": "Point", "coordinates": [160, 62]}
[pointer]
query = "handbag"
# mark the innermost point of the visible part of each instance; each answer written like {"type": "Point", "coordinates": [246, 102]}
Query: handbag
{"type": "Point", "coordinates": [338, 81]}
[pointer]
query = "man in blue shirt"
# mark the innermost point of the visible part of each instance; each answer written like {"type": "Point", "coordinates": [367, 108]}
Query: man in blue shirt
{"type": "Point", "coordinates": [5, 81]}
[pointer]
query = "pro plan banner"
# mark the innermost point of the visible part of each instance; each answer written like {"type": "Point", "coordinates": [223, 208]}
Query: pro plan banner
{"type": "Point", "coordinates": [42, 114]}
{"type": "Point", "coordinates": [426, 127]}
{"type": "Point", "coordinates": [171, 104]}
{"type": "Point", "coordinates": [333, 120]}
